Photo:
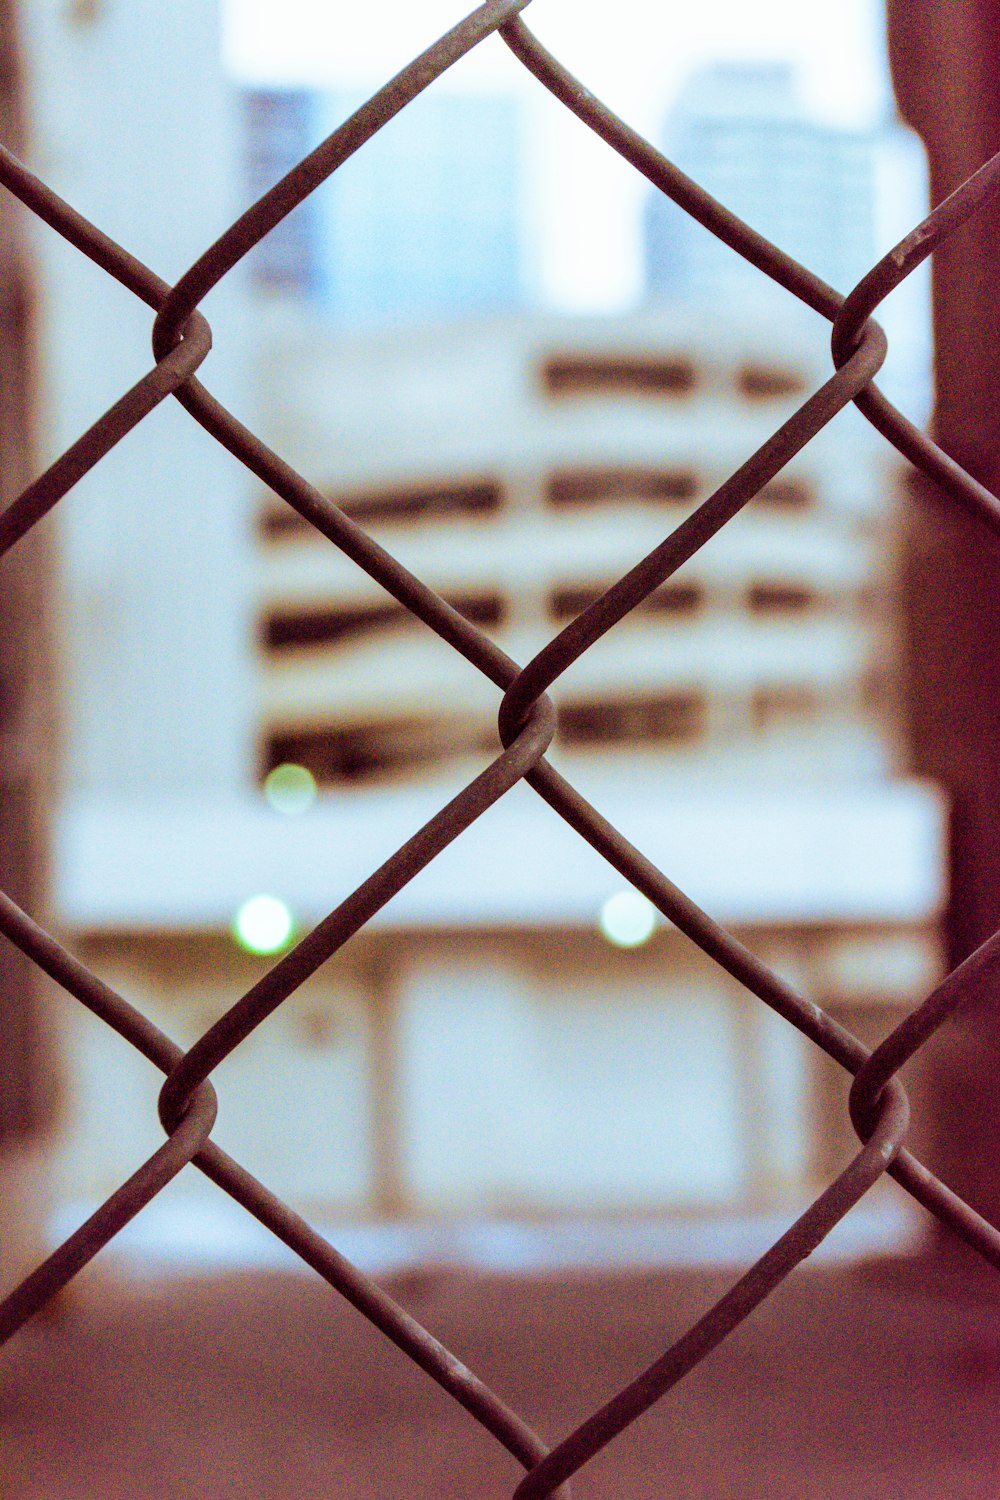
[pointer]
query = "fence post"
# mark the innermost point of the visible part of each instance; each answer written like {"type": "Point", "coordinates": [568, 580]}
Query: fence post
{"type": "Point", "coordinates": [946, 72]}
{"type": "Point", "coordinates": [26, 1072]}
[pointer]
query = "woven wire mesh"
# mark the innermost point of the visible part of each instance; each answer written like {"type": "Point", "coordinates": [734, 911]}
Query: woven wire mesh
{"type": "Point", "coordinates": [526, 718]}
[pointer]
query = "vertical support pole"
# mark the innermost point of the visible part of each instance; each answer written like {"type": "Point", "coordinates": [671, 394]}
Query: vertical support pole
{"type": "Point", "coordinates": [389, 1198]}
{"type": "Point", "coordinates": [26, 1072]}
{"type": "Point", "coordinates": [946, 71]}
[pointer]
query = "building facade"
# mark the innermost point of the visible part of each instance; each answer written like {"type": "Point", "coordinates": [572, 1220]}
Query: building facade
{"type": "Point", "coordinates": [486, 1048]}
{"type": "Point", "coordinates": [520, 467]}
{"type": "Point", "coordinates": [739, 130]}
{"type": "Point", "coordinates": [483, 1049]}
{"type": "Point", "coordinates": [834, 198]}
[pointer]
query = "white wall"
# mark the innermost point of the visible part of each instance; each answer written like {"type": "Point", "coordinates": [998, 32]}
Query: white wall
{"type": "Point", "coordinates": [573, 1090]}
{"type": "Point", "coordinates": [294, 1099]}
{"type": "Point", "coordinates": [133, 125]}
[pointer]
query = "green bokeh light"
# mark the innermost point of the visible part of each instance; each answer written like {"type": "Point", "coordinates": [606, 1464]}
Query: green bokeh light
{"type": "Point", "coordinates": [263, 924]}
{"type": "Point", "coordinates": [627, 919]}
{"type": "Point", "coordinates": [290, 789]}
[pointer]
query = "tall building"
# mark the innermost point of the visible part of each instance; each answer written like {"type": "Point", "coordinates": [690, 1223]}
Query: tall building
{"type": "Point", "coordinates": [835, 199]}
{"type": "Point", "coordinates": [740, 131]}
{"type": "Point", "coordinates": [424, 222]}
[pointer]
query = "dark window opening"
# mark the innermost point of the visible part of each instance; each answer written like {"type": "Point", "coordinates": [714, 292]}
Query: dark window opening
{"type": "Point", "coordinates": [767, 382]}
{"type": "Point", "coordinates": [786, 494]}
{"type": "Point", "coordinates": [377, 750]}
{"type": "Point", "coordinates": [779, 598]}
{"type": "Point", "coordinates": [290, 629]}
{"type": "Point", "coordinates": [617, 374]}
{"type": "Point", "coordinates": [408, 505]}
{"type": "Point", "coordinates": [677, 599]}
{"type": "Point", "coordinates": [670, 598]}
{"type": "Point", "coordinates": [432, 503]}
{"type": "Point", "coordinates": [597, 486]}
{"type": "Point", "coordinates": [770, 706]}
{"type": "Point", "coordinates": [670, 719]}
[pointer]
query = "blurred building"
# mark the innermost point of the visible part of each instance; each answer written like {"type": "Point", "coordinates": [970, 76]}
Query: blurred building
{"type": "Point", "coordinates": [740, 131]}
{"type": "Point", "coordinates": [834, 198]}
{"type": "Point", "coordinates": [483, 1047]}
{"type": "Point", "coordinates": [486, 1046]}
{"type": "Point", "coordinates": [520, 467]}
{"type": "Point", "coordinates": [424, 222]}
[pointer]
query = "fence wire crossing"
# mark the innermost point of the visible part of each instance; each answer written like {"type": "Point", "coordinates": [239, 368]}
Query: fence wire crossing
{"type": "Point", "coordinates": [526, 721]}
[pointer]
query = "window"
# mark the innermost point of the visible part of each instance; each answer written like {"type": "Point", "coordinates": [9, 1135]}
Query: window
{"type": "Point", "coordinates": [407, 505]}
{"type": "Point", "coordinates": [677, 599]}
{"type": "Point", "coordinates": [330, 625]}
{"type": "Point", "coordinates": [565, 375]}
{"type": "Point", "coordinates": [670, 598]}
{"type": "Point", "coordinates": [377, 750]}
{"type": "Point", "coordinates": [279, 129]}
{"type": "Point", "coordinates": [430, 503]}
{"type": "Point", "coordinates": [778, 597]}
{"type": "Point", "coordinates": [759, 382]}
{"type": "Point", "coordinates": [778, 703]}
{"type": "Point", "coordinates": [598, 486]}
{"type": "Point", "coordinates": [672, 718]}
{"type": "Point", "coordinates": [786, 494]}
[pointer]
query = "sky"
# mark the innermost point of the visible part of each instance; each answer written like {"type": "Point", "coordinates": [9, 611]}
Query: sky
{"type": "Point", "coordinates": [583, 203]}
{"type": "Point", "coordinates": [635, 61]}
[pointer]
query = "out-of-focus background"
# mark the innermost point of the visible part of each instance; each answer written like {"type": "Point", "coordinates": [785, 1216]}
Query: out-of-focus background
{"type": "Point", "coordinates": [494, 346]}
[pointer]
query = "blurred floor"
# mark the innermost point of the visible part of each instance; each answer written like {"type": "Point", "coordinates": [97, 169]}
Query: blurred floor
{"type": "Point", "coordinates": [858, 1384]}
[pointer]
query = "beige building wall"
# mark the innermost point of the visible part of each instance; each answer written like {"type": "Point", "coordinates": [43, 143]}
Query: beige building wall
{"type": "Point", "coordinates": [517, 1073]}
{"type": "Point", "coordinates": [520, 467]}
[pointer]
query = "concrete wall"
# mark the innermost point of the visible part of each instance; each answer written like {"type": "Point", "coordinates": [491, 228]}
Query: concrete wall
{"type": "Point", "coordinates": [499, 1072]}
{"type": "Point", "coordinates": [135, 127]}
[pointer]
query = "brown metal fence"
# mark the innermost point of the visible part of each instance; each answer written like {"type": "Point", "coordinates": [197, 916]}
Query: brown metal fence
{"type": "Point", "coordinates": [878, 1103]}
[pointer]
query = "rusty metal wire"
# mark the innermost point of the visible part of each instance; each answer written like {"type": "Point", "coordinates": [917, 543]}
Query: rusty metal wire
{"type": "Point", "coordinates": [181, 340]}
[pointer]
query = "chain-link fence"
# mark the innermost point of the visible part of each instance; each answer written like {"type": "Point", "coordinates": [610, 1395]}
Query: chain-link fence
{"type": "Point", "coordinates": [878, 1103]}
